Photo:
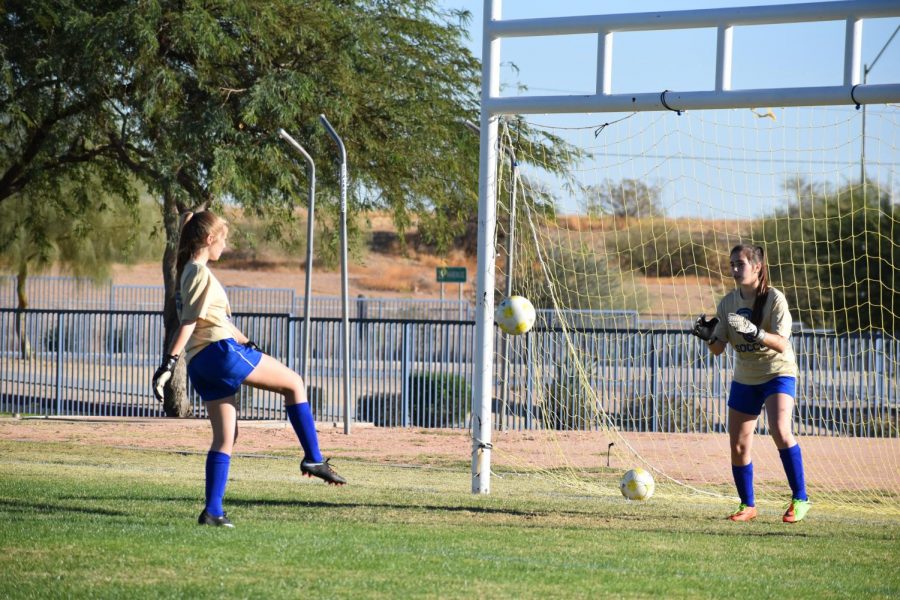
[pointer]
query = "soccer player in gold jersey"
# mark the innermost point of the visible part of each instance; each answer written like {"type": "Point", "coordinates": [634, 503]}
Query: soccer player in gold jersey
{"type": "Point", "coordinates": [754, 318]}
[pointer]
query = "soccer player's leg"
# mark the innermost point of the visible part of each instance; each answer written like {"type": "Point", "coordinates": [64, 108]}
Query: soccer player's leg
{"type": "Point", "coordinates": [272, 375]}
{"type": "Point", "coordinates": [223, 419]}
{"type": "Point", "coordinates": [744, 408]}
{"type": "Point", "coordinates": [779, 407]}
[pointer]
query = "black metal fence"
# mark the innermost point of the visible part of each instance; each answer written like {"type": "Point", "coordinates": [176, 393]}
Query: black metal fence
{"type": "Point", "coordinates": [419, 373]}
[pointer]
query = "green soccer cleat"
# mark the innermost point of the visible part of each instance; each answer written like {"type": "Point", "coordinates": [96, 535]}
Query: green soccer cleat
{"type": "Point", "coordinates": [796, 511]}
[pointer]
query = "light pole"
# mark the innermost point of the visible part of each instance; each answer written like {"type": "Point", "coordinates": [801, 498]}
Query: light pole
{"type": "Point", "coordinates": [345, 287]}
{"type": "Point", "coordinates": [310, 230]}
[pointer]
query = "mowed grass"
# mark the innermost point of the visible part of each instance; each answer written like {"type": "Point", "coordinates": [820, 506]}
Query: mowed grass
{"type": "Point", "coordinates": [86, 521]}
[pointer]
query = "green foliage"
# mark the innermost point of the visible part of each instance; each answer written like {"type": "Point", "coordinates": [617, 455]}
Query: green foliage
{"type": "Point", "coordinates": [569, 403]}
{"type": "Point", "coordinates": [454, 220]}
{"type": "Point", "coordinates": [579, 278]}
{"type": "Point", "coordinates": [437, 398]}
{"type": "Point", "coordinates": [37, 233]}
{"type": "Point", "coordinates": [834, 252]}
{"type": "Point", "coordinates": [667, 248]}
{"type": "Point", "coordinates": [628, 198]}
{"type": "Point", "coordinates": [61, 80]}
{"type": "Point", "coordinates": [190, 99]}
{"type": "Point", "coordinates": [434, 399]}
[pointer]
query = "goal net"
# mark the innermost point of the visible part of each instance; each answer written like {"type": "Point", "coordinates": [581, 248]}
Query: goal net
{"type": "Point", "coordinates": [621, 255]}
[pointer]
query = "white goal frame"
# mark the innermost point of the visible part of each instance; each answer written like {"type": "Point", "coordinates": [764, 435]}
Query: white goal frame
{"type": "Point", "coordinates": [852, 91]}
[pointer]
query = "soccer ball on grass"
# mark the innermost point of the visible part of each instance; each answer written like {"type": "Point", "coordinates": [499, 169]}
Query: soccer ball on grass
{"type": "Point", "coordinates": [637, 484]}
{"type": "Point", "coordinates": [515, 315]}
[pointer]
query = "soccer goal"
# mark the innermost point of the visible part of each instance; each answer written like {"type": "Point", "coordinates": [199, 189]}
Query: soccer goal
{"type": "Point", "coordinates": [621, 253]}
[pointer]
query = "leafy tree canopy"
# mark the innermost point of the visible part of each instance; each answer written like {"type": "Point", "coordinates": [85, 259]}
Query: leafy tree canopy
{"type": "Point", "coordinates": [625, 198]}
{"type": "Point", "coordinates": [190, 97]}
{"type": "Point", "coordinates": [834, 252]}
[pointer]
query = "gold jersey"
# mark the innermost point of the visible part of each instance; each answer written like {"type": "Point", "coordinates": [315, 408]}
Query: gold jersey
{"type": "Point", "coordinates": [754, 363]}
{"type": "Point", "coordinates": [203, 299]}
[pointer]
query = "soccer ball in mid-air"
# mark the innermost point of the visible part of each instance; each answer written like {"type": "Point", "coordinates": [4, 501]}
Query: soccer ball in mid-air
{"type": "Point", "coordinates": [515, 315]}
{"type": "Point", "coordinates": [637, 484]}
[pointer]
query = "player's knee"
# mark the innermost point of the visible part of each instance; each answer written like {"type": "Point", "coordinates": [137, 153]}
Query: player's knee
{"type": "Point", "coordinates": [782, 437]}
{"type": "Point", "coordinates": [295, 393]}
{"type": "Point", "coordinates": [740, 448]}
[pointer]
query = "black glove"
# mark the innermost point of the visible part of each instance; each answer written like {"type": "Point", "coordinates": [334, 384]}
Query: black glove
{"type": "Point", "coordinates": [250, 344]}
{"type": "Point", "coordinates": [704, 328]}
{"type": "Point", "coordinates": [163, 375]}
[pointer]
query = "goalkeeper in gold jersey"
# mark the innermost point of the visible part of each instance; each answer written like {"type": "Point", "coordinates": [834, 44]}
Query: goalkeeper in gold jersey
{"type": "Point", "coordinates": [221, 359]}
{"type": "Point", "coordinates": [755, 320]}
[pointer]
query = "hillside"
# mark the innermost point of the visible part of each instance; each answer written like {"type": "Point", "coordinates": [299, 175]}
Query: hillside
{"type": "Point", "coordinates": [391, 275]}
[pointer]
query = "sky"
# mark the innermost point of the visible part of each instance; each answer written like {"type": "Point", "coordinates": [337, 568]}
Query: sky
{"type": "Point", "coordinates": [794, 55]}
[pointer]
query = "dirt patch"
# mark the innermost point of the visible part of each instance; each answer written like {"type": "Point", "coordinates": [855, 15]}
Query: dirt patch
{"type": "Point", "coordinates": [833, 465]}
{"type": "Point", "coordinates": [381, 276]}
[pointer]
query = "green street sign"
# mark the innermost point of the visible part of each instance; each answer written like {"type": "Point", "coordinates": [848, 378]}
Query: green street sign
{"type": "Point", "coordinates": [451, 274]}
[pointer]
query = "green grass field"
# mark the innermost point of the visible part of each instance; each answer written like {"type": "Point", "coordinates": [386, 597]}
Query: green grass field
{"type": "Point", "coordinates": [87, 521]}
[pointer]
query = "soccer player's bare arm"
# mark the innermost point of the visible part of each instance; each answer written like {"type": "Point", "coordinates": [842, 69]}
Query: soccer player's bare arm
{"type": "Point", "coordinates": [775, 342]}
{"type": "Point", "coordinates": [182, 336]}
{"type": "Point", "coordinates": [717, 347]}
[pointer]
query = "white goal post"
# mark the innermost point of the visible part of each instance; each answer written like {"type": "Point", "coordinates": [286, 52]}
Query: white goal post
{"type": "Point", "coordinates": [719, 96]}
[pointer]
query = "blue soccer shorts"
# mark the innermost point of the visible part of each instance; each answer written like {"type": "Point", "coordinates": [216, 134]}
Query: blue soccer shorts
{"type": "Point", "coordinates": [218, 370]}
{"type": "Point", "coordinates": [749, 399]}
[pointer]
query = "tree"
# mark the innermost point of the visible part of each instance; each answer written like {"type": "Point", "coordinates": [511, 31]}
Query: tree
{"type": "Point", "coordinates": [55, 97]}
{"type": "Point", "coordinates": [189, 98]}
{"type": "Point", "coordinates": [834, 252]}
{"type": "Point", "coordinates": [575, 277]}
{"type": "Point", "coordinates": [623, 199]}
{"type": "Point", "coordinates": [37, 233]}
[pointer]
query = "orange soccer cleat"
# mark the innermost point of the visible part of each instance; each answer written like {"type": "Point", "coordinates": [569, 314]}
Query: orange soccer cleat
{"type": "Point", "coordinates": [743, 513]}
{"type": "Point", "coordinates": [796, 511]}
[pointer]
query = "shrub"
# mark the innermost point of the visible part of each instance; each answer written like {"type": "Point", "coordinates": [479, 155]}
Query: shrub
{"type": "Point", "coordinates": [568, 404]}
{"type": "Point", "coordinates": [666, 248]}
{"type": "Point", "coordinates": [435, 400]}
{"type": "Point", "coordinates": [382, 410]}
{"type": "Point", "coordinates": [439, 399]}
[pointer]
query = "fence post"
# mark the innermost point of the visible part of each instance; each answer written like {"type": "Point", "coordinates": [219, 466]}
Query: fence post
{"type": "Point", "coordinates": [879, 400]}
{"type": "Point", "coordinates": [405, 352]}
{"type": "Point", "coordinates": [529, 382]}
{"type": "Point", "coordinates": [59, 361]}
{"type": "Point", "coordinates": [654, 382]}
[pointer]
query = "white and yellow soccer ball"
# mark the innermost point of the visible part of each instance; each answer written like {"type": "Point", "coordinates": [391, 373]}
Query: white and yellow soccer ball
{"type": "Point", "coordinates": [515, 315]}
{"type": "Point", "coordinates": [637, 484]}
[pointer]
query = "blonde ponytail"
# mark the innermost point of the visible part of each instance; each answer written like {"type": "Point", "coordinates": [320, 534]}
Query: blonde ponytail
{"type": "Point", "coordinates": [195, 229]}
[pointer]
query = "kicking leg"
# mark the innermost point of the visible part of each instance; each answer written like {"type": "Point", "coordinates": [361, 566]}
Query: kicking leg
{"type": "Point", "coordinates": [273, 376]}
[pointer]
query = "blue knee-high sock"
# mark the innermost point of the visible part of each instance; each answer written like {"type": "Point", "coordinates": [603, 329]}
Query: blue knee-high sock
{"type": "Point", "coordinates": [743, 479]}
{"type": "Point", "coordinates": [304, 425]}
{"type": "Point", "coordinates": [217, 464]}
{"type": "Point", "coordinates": [792, 460]}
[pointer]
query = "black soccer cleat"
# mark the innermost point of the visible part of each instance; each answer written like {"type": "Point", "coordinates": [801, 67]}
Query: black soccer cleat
{"type": "Point", "coordinates": [208, 519]}
{"type": "Point", "coordinates": [322, 470]}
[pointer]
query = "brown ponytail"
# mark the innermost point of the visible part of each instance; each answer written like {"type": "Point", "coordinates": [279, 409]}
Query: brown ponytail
{"type": "Point", "coordinates": [195, 229]}
{"type": "Point", "coordinates": [756, 255]}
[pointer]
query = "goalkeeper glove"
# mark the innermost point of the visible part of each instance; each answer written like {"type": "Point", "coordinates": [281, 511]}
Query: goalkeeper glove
{"type": "Point", "coordinates": [704, 328]}
{"type": "Point", "coordinates": [163, 375]}
{"type": "Point", "coordinates": [745, 327]}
